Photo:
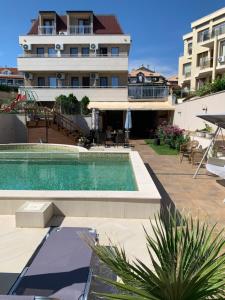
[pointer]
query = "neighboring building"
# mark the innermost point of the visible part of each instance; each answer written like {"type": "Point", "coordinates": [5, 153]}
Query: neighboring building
{"type": "Point", "coordinates": [172, 82]}
{"type": "Point", "coordinates": [11, 77]}
{"type": "Point", "coordinates": [87, 55]}
{"type": "Point", "coordinates": [204, 51]}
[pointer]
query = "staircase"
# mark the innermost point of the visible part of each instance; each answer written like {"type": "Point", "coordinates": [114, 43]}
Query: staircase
{"type": "Point", "coordinates": [49, 126]}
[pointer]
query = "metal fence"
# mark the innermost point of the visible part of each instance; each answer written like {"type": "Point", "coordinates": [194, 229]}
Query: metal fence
{"type": "Point", "coordinates": [148, 92]}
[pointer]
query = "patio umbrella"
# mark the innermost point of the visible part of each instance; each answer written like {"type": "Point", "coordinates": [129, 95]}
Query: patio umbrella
{"type": "Point", "coordinates": [128, 123]}
{"type": "Point", "coordinates": [94, 121]}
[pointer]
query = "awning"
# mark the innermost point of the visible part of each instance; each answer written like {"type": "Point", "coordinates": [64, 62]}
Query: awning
{"type": "Point", "coordinates": [218, 120]}
{"type": "Point", "coordinates": [132, 105]}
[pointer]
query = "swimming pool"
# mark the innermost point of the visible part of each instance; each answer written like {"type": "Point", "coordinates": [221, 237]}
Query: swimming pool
{"type": "Point", "coordinates": [30, 171]}
{"type": "Point", "coordinates": [76, 181]}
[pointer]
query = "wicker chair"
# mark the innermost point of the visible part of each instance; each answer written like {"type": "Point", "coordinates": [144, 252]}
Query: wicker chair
{"type": "Point", "coordinates": [187, 148]}
{"type": "Point", "coordinates": [197, 155]}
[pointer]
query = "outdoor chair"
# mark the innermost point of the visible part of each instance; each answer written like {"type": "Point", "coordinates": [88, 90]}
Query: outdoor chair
{"type": "Point", "coordinates": [187, 148]}
{"type": "Point", "coordinates": [196, 156]}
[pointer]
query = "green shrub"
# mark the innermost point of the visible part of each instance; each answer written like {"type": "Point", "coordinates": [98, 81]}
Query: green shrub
{"type": "Point", "coordinates": [212, 87]}
{"type": "Point", "coordinates": [6, 88]}
{"type": "Point", "coordinates": [84, 105]}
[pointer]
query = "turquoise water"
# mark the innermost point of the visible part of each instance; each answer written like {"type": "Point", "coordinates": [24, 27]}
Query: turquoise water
{"type": "Point", "coordinates": [67, 174]}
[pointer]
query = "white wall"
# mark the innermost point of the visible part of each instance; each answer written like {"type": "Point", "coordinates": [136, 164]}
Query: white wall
{"type": "Point", "coordinates": [185, 113]}
{"type": "Point", "coordinates": [12, 129]}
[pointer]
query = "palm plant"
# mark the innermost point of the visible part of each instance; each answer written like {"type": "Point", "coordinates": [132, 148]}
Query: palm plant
{"type": "Point", "coordinates": [187, 258]}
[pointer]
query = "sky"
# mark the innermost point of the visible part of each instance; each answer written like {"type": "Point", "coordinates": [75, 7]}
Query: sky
{"type": "Point", "coordinates": [156, 27]}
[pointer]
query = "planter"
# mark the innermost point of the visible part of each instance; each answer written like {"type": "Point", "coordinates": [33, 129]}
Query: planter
{"type": "Point", "coordinates": [200, 133]}
{"type": "Point", "coordinates": [209, 135]}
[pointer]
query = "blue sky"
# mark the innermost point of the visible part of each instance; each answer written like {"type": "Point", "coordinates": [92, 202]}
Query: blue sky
{"type": "Point", "coordinates": [156, 27]}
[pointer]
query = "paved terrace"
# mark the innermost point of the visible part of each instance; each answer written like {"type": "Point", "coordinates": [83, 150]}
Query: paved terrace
{"type": "Point", "coordinates": [201, 197]}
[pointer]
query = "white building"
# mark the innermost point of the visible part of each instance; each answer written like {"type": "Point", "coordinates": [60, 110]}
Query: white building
{"type": "Point", "coordinates": [87, 55]}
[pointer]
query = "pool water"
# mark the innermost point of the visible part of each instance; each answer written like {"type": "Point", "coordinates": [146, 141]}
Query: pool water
{"type": "Point", "coordinates": [67, 174]}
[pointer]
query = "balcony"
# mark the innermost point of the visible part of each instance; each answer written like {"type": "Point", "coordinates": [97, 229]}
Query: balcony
{"type": "Point", "coordinates": [80, 30]}
{"type": "Point", "coordinates": [187, 75]}
{"type": "Point", "coordinates": [96, 94]}
{"type": "Point", "coordinates": [205, 64]}
{"type": "Point", "coordinates": [67, 62]}
{"type": "Point", "coordinates": [149, 93]}
{"type": "Point", "coordinates": [46, 30]}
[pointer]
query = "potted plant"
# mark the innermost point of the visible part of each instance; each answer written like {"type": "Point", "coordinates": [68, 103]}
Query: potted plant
{"type": "Point", "coordinates": [208, 131]}
{"type": "Point", "coordinates": [200, 133]}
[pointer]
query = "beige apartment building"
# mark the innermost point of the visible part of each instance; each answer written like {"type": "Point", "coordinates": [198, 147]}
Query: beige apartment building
{"type": "Point", "coordinates": [204, 51]}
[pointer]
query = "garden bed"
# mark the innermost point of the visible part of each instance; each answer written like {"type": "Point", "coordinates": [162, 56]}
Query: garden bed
{"type": "Point", "coordinates": [162, 149]}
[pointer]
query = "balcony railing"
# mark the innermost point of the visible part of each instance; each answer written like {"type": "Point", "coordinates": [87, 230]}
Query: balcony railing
{"type": "Point", "coordinates": [210, 34]}
{"type": "Point", "coordinates": [207, 63]}
{"type": "Point", "coordinates": [148, 92]}
{"type": "Point", "coordinates": [187, 74]}
{"type": "Point", "coordinates": [46, 30]}
{"type": "Point", "coordinates": [80, 30]}
{"type": "Point", "coordinates": [62, 55]}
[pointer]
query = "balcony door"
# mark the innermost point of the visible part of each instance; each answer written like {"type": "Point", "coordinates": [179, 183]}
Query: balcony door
{"type": "Point", "coordinates": [103, 51]}
{"type": "Point", "coordinates": [52, 82]}
{"type": "Point", "coordinates": [48, 26]}
{"type": "Point", "coordinates": [103, 82]}
{"type": "Point", "coordinates": [86, 82]}
{"type": "Point", "coordinates": [52, 52]}
{"type": "Point", "coordinates": [83, 26]}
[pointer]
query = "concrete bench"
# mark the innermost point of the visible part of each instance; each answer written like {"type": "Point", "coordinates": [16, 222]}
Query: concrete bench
{"type": "Point", "coordinates": [34, 214]}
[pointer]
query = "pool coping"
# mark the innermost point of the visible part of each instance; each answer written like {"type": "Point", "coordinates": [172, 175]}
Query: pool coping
{"type": "Point", "coordinates": [145, 184]}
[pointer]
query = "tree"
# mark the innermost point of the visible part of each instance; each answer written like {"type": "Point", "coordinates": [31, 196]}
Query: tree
{"type": "Point", "coordinates": [187, 258]}
{"type": "Point", "coordinates": [84, 105]}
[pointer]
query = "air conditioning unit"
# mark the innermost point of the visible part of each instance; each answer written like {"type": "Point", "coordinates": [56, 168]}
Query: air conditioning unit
{"type": "Point", "coordinates": [60, 76]}
{"type": "Point", "coordinates": [93, 47]}
{"type": "Point", "coordinates": [59, 47]}
{"type": "Point", "coordinates": [27, 47]}
{"type": "Point", "coordinates": [28, 76]}
{"type": "Point", "coordinates": [221, 59]}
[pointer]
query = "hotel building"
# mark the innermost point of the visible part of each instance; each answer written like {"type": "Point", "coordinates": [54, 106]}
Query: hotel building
{"type": "Point", "coordinates": [87, 55]}
{"type": "Point", "coordinates": [204, 51]}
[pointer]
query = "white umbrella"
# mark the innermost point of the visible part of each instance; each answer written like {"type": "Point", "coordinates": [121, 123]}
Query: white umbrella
{"type": "Point", "coordinates": [128, 123]}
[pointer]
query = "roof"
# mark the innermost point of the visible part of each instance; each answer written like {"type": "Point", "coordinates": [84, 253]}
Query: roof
{"type": "Point", "coordinates": [14, 73]}
{"type": "Point", "coordinates": [218, 120]}
{"type": "Point", "coordinates": [146, 71]}
{"type": "Point", "coordinates": [102, 24]}
{"type": "Point", "coordinates": [61, 267]}
{"type": "Point", "coordinates": [132, 105]}
{"type": "Point", "coordinates": [173, 78]}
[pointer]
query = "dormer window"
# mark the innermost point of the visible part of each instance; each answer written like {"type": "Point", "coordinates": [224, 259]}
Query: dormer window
{"type": "Point", "coordinates": [140, 78]}
{"type": "Point", "coordinates": [6, 72]}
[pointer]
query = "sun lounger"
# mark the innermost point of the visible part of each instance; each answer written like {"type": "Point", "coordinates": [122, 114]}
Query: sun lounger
{"type": "Point", "coordinates": [216, 166]}
{"type": "Point", "coordinates": [62, 267]}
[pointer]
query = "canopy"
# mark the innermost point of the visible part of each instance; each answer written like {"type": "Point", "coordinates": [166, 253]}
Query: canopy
{"type": "Point", "coordinates": [218, 120]}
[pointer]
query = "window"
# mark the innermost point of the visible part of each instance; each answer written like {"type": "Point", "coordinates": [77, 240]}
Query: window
{"type": "Point", "coordinates": [203, 35]}
{"type": "Point", "coordinates": [187, 70]}
{"type": "Point", "coordinates": [19, 82]}
{"type": "Point", "coordinates": [203, 60]}
{"type": "Point", "coordinates": [75, 81]}
{"type": "Point", "coordinates": [74, 52]}
{"type": "Point", "coordinates": [103, 51]}
{"type": "Point", "coordinates": [52, 52]}
{"type": "Point", "coordinates": [2, 81]}
{"type": "Point", "coordinates": [83, 26]}
{"type": "Point", "coordinates": [41, 81]}
{"type": "Point", "coordinates": [48, 27]}
{"type": "Point", "coordinates": [103, 81]}
{"type": "Point", "coordinates": [10, 81]}
{"type": "Point", "coordinates": [52, 82]}
{"type": "Point", "coordinates": [190, 48]}
{"type": "Point", "coordinates": [222, 48]}
{"type": "Point", "coordinates": [115, 51]}
{"type": "Point", "coordinates": [218, 29]}
{"type": "Point", "coordinates": [85, 81]}
{"type": "Point", "coordinates": [6, 72]}
{"type": "Point", "coordinates": [40, 52]}
{"type": "Point", "coordinates": [115, 81]}
{"type": "Point", "coordinates": [85, 51]}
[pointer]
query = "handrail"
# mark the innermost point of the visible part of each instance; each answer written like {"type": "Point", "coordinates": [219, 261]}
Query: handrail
{"type": "Point", "coordinates": [79, 55]}
{"type": "Point", "coordinates": [77, 87]}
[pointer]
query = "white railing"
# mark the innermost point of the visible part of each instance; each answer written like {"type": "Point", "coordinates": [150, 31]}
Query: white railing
{"type": "Point", "coordinates": [62, 55]}
{"type": "Point", "coordinates": [210, 34]}
{"type": "Point", "coordinates": [206, 63]}
{"type": "Point", "coordinates": [80, 30]}
{"type": "Point", "coordinates": [148, 92]}
{"type": "Point", "coordinates": [46, 30]}
{"type": "Point", "coordinates": [46, 93]}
